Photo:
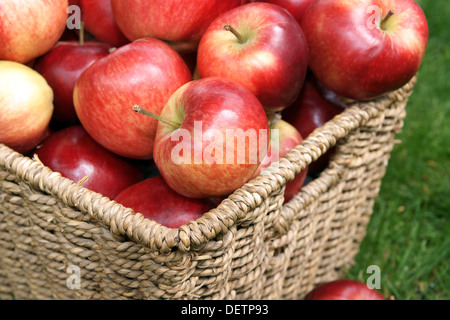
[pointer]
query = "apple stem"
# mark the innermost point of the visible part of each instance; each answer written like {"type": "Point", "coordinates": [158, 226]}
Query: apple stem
{"type": "Point", "coordinates": [386, 18]}
{"type": "Point", "coordinates": [82, 33]}
{"type": "Point", "coordinates": [239, 36]}
{"type": "Point", "coordinates": [145, 112]}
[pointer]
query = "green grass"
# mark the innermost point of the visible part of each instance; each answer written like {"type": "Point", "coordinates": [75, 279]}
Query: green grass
{"type": "Point", "coordinates": [408, 236]}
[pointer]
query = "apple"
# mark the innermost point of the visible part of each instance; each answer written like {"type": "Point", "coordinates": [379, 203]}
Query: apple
{"type": "Point", "coordinates": [99, 21]}
{"type": "Point", "coordinates": [62, 66]}
{"type": "Point", "coordinates": [170, 20]}
{"type": "Point", "coordinates": [361, 49]}
{"type": "Point", "coordinates": [212, 136]}
{"type": "Point", "coordinates": [310, 111]}
{"type": "Point", "coordinates": [75, 3]}
{"type": "Point", "coordinates": [145, 72]}
{"type": "Point", "coordinates": [261, 46]}
{"type": "Point", "coordinates": [284, 137]}
{"type": "Point", "coordinates": [75, 155]}
{"type": "Point", "coordinates": [344, 289]}
{"type": "Point", "coordinates": [158, 202]}
{"type": "Point", "coordinates": [295, 7]}
{"type": "Point", "coordinates": [26, 106]}
{"type": "Point", "coordinates": [30, 28]}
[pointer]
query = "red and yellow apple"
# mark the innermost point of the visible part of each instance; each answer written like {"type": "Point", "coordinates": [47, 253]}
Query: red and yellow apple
{"type": "Point", "coordinates": [214, 138]}
{"type": "Point", "coordinates": [26, 106]}
{"type": "Point", "coordinates": [178, 22]}
{"type": "Point", "coordinates": [145, 72]}
{"type": "Point", "coordinates": [30, 28]}
{"type": "Point", "coordinates": [261, 46]}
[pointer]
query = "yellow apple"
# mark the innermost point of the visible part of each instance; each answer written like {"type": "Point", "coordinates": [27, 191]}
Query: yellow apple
{"type": "Point", "coordinates": [26, 106]}
{"type": "Point", "coordinates": [30, 28]}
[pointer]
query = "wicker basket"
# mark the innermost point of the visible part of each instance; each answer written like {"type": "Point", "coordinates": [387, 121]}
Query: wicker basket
{"type": "Point", "coordinates": [252, 246]}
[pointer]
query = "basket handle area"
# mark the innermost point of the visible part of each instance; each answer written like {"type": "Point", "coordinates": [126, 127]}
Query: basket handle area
{"type": "Point", "coordinates": [122, 221]}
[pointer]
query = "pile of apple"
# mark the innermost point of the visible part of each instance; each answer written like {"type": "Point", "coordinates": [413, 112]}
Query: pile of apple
{"type": "Point", "coordinates": [137, 82]}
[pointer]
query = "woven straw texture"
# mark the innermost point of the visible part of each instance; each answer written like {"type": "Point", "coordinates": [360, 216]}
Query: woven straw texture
{"type": "Point", "coordinates": [252, 246]}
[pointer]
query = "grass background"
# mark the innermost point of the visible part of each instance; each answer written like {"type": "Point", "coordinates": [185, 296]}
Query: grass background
{"type": "Point", "coordinates": [408, 235]}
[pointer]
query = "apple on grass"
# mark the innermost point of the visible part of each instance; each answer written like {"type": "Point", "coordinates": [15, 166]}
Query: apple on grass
{"type": "Point", "coordinates": [361, 49]}
{"type": "Point", "coordinates": [261, 46]}
{"type": "Point", "coordinates": [211, 137]}
{"type": "Point", "coordinates": [61, 67]}
{"type": "Point", "coordinates": [295, 7]}
{"type": "Point", "coordinates": [146, 72]}
{"type": "Point", "coordinates": [344, 289]}
{"type": "Point", "coordinates": [181, 23]}
{"type": "Point", "coordinates": [310, 111]}
{"type": "Point", "coordinates": [155, 200]}
{"type": "Point", "coordinates": [74, 154]}
{"type": "Point", "coordinates": [30, 28]}
{"type": "Point", "coordinates": [26, 106]}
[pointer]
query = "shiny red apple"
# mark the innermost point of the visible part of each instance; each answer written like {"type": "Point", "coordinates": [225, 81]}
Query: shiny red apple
{"type": "Point", "coordinates": [30, 28]}
{"type": "Point", "coordinates": [145, 72]}
{"type": "Point", "coordinates": [295, 7]}
{"type": "Point", "coordinates": [74, 154]}
{"type": "Point", "coordinates": [157, 201]}
{"type": "Point", "coordinates": [179, 22]}
{"type": "Point", "coordinates": [99, 21]}
{"type": "Point", "coordinates": [310, 111]}
{"type": "Point", "coordinates": [284, 137]}
{"type": "Point", "coordinates": [62, 66]}
{"type": "Point", "coordinates": [344, 289]}
{"type": "Point", "coordinates": [214, 140]}
{"type": "Point", "coordinates": [261, 46]}
{"type": "Point", "coordinates": [361, 49]}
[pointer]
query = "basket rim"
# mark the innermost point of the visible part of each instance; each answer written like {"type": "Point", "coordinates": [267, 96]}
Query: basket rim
{"type": "Point", "coordinates": [125, 223]}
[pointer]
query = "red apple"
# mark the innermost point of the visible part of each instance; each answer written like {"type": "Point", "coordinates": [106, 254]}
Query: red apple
{"type": "Point", "coordinates": [26, 106]}
{"type": "Point", "coordinates": [361, 49]}
{"type": "Point", "coordinates": [74, 2]}
{"type": "Point", "coordinates": [284, 137]}
{"type": "Point", "coordinates": [62, 66]}
{"type": "Point", "coordinates": [170, 20]}
{"type": "Point", "coordinates": [30, 28]}
{"type": "Point", "coordinates": [144, 72]}
{"type": "Point", "coordinates": [344, 289]}
{"type": "Point", "coordinates": [213, 139]}
{"type": "Point", "coordinates": [310, 111]}
{"type": "Point", "coordinates": [99, 20]}
{"type": "Point", "coordinates": [264, 49]}
{"type": "Point", "coordinates": [295, 7]}
{"type": "Point", "coordinates": [74, 154]}
{"type": "Point", "coordinates": [158, 202]}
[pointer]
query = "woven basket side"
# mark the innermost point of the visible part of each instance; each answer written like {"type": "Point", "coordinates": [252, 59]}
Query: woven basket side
{"type": "Point", "coordinates": [252, 246]}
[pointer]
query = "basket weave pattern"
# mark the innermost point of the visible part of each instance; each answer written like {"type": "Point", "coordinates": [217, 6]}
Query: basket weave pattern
{"type": "Point", "coordinates": [252, 246]}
